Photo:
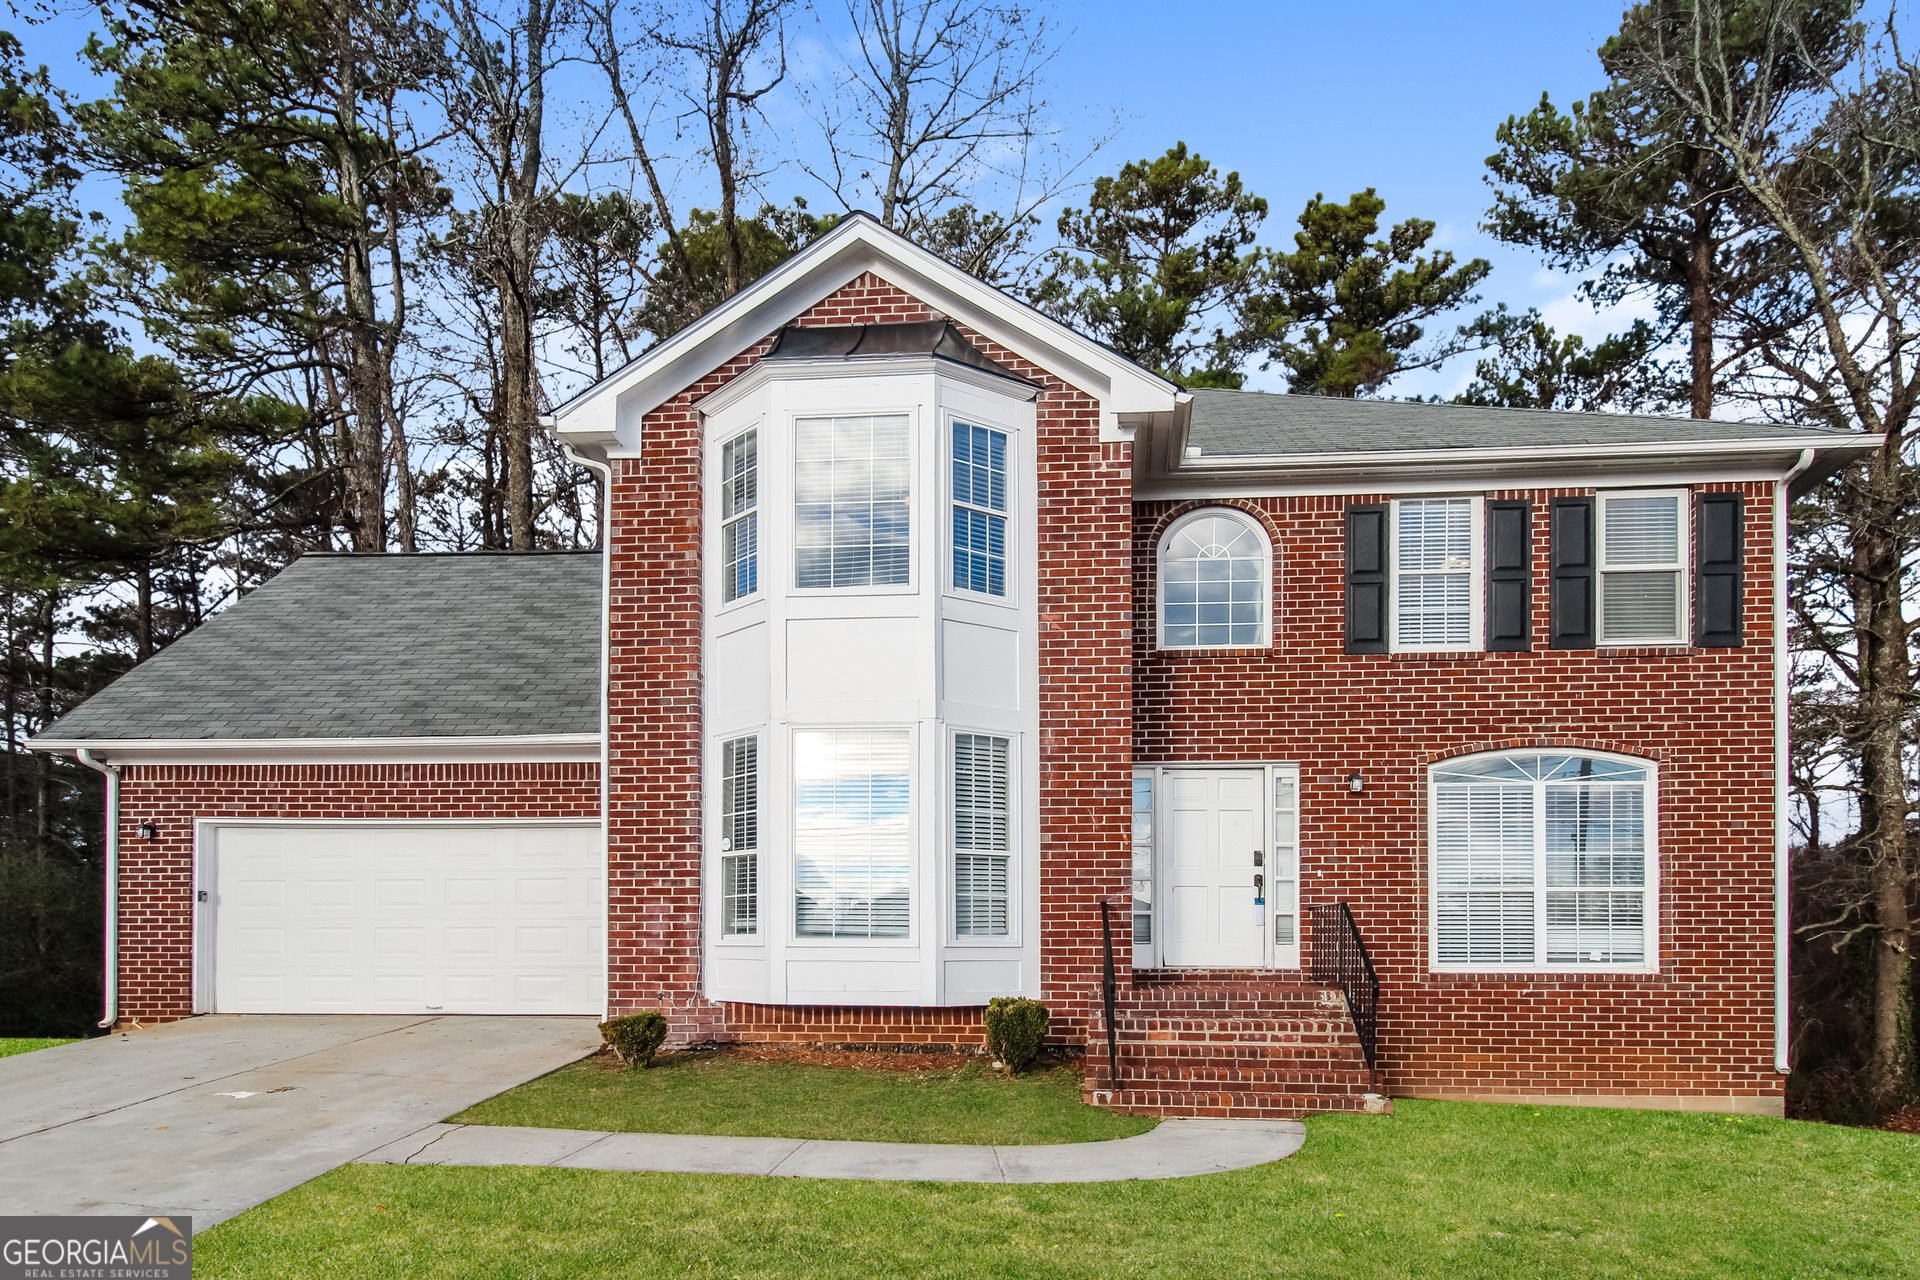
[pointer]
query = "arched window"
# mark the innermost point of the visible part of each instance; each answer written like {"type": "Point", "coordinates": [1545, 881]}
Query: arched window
{"type": "Point", "coordinates": [1214, 575]}
{"type": "Point", "coordinates": [1543, 860]}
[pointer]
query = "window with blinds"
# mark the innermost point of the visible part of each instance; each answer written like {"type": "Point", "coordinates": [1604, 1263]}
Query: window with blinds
{"type": "Point", "coordinates": [979, 510]}
{"type": "Point", "coordinates": [1213, 582]}
{"type": "Point", "coordinates": [850, 489]}
{"type": "Point", "coordinates": [740, 837]}
{"type": "Point", "coordinates": [851, 837]}
{"type": "Point", "coordinates": [1143, 955]}
{"type": "Point", "coordinates": [1436, 561]}
{"type": "Point", "coordinates": [1283, 864]}
{"type": "Point", "coordinates": [981, 835]}
{"type": "Point", "coordinates": [1642, 539]}
{"type": "Point", "coordinates": [1540, 861]}
{"type": "Point", "coordinates": [739, 515]}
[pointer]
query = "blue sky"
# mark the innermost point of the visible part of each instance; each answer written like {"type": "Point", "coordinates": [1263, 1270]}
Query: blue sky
{"type": "Point", "coordinates": [1304, 98]}
{"type": "Point", "coordinates": [1299, 98]}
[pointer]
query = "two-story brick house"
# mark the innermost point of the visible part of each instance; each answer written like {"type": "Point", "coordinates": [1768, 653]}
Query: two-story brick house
{"type": "Point", "coordinates": [936, 649]}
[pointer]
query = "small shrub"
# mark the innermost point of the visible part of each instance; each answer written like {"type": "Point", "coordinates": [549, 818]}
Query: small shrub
{"type": "Point", "coordinates": [636, 1037]}
{"type": "Point", "coordinates": [1016, 1027]}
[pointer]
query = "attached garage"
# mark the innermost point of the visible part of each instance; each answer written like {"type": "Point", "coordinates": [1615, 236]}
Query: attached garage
{"type": "Point", "coordinates": [400, 917]}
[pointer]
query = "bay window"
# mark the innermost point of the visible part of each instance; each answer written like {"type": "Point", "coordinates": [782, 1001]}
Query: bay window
{"type": "Point", "coordinates": [982, 836]}
{"type": "Point", "coordinates": [850, 496]}
{"type": "Point", "coordinates": [851, 833]}
{"type": "Point", "coordinates": [979, 510]}
{"type": "Point", "coordinates": [740, 528]}
{"type": "Point", "coordinates": [740, 837]}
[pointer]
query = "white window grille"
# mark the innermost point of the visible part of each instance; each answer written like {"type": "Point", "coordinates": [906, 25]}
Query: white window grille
{"type": "Point", "coordinates": [1213, 582]}
{"type": "Point", "coordinates": [851, 836]}
{"type": "Point", "coordinates": [850, 502]}
{"type": "Point", "coordinates": [1542, 861]}
{"type": "Point", "coordinates": [740, 837]}
{"type": "Point", "coordinates": [982, 835]}
{"type": "Point", "coordinates": [979, 510]}
{"type": "Point", "coordinates": [1143, 869]}
{"type": "Point", "coordinates": [1283, 862]}
{"type": "Point", "coordinates": [740, 528]}
{"type": "Point", "coordinates": [1642, 568]}
{"type": "Point", "coordinates": [1435, 547]}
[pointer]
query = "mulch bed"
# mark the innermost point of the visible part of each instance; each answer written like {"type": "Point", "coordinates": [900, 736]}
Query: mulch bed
{"type": "Point", "coordinates": [858, 1059]}
{"type": "Point", "coordinates": [1907, 1121]}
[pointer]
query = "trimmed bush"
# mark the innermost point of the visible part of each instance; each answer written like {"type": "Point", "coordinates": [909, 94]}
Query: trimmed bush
{"type": "Point", "coordinates": [635, 1038]}
{"type": "Point", "coordinates": [1016, 1028]}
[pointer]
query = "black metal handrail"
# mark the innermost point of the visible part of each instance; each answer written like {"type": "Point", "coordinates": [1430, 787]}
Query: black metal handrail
{"type": "Point", "coordinates": [1107, 986]}
{"type": "Point", "coordinates": [1340, 959]}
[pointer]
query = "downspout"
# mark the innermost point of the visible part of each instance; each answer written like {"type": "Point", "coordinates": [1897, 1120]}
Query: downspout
{"type": "Point", "coordinates": [1782, 832]}
{"type": "Point", "coordinates": [605, 472]}
{"type": "Point", "coordinates": [112, 842]}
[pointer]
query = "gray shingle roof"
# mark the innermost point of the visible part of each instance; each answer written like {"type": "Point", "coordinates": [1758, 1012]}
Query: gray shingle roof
{"type": "Point", "coordinates": [1259, 423]}
{"type": "Point", "coordinates": [345, 646]}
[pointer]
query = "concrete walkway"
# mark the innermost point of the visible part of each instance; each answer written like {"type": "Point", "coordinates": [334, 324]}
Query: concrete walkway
{"type": "Point", "coordinates": [1176, 1149]}
{"type": "Point", "coordinates": [211, 1116]}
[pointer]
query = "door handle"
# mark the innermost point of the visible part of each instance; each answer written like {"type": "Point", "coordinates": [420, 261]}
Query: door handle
{"type": "Point", "coordinates": [1259, 884]}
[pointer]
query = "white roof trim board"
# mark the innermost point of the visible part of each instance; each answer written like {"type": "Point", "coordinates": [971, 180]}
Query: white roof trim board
{"type": "Point", "coordinates": [516, 749]}
{"type": "Point", "coordinates": [607, 416]}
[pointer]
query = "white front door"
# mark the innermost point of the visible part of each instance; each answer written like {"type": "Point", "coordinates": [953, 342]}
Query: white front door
{"type": "Point", "coordinates": [1216, 833]}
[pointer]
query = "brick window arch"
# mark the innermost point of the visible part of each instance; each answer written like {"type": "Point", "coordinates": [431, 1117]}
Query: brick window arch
{"type": "Point", "coordinates": [1214, 578]}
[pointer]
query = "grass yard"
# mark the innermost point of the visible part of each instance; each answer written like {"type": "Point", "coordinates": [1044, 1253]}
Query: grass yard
{"type": "Point", "coordinates": [719, 1093]}
{"type": "Point", "coordinates": [1437, 1190]}
{"type": "Point", "coordinates": [10, 1046]}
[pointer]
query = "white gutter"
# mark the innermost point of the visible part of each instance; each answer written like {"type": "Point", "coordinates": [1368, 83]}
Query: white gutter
{"type": "Point", "coordinates": [1782, 692]}
{"type": "Point", "coordinates": [112, 842]}
{"type": "Point", "coordinates": [605, 472]}
{"type": "Point", "coordinates": [1225, 464]}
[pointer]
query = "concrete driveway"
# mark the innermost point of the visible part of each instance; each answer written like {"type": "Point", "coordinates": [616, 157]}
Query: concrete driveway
{"type": "Point", "coordinates": [148, 1122]}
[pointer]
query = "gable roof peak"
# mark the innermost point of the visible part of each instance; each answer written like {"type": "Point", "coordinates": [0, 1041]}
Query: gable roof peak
{"type": "Point", "coordinates": [607, 415]}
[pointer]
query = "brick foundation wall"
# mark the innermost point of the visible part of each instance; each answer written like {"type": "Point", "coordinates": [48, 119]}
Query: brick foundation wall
{"type": "Point", "coordinates": [927, 1030]}
{"type": "Point", "coordinates": [1085, 532]}
{"type": "Point", "coordinates": [156, 876]}
{"type": "Point", "coordinates": [1700, 1028]}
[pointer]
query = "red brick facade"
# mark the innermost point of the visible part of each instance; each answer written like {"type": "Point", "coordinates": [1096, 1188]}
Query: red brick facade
{"type": "Point", "coordinates": [1702, 1026]}
{"type": "Point", "coordinates": [156, 876]}
{"type": "Point", "coordinates": [1699, 1028]}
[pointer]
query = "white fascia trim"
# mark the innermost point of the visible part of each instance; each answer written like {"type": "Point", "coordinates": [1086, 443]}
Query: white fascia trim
{"type": "Point", "coordinates": [858, 245]}
{"type": "Point", "coordinates": [766, 371]}
{"type": "Point", "coordinates": [1452, 482]}
{"type": "Point", "coordinates": [1562, 454]}
{"type": "Point", "coordinates": [519, 749]}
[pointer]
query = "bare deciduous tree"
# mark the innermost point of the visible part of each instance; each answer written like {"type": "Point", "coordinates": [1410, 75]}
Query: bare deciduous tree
{"type": "Point", "coordinates": [1837, 334]}
{"type": "Point", "coordinates": [735, 54]}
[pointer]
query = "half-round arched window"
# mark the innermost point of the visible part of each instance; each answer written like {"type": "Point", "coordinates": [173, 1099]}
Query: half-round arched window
{"type": "Point", "coordinates": [1215, 570]}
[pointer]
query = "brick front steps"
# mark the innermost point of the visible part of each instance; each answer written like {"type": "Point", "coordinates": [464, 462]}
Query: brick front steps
{"type": "Point", "coordinates": [1238, 1047]}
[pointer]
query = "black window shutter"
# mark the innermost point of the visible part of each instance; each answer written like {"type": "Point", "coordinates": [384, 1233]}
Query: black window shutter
{"type": "Point", "coordinates": [1719, 578]}
{"type": "Point", "coordinates": [1573, 559]}
{"type": "Point", "coordinates": [1367, 578]}
{"type": "Point", "coordinates": [1509, 576]}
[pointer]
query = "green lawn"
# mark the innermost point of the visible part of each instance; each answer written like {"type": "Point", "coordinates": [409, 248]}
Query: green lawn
{"type": "Point", "coordinates": [717, 1094]}
{"type": "Point", "coordinates": [1437, 1190]}
{"type": "Point", "coordinates": [9, 1047]}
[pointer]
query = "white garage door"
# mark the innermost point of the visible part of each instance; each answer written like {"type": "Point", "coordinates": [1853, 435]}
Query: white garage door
{"type": "Point", "coordinates": [402, 918]}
